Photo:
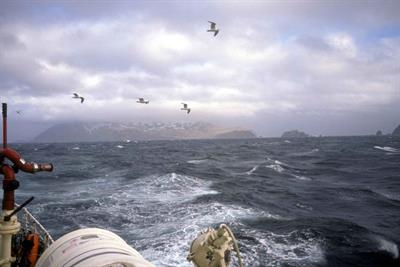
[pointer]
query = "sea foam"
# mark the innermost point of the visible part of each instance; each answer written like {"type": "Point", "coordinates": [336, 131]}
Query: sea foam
{"type": "Point", "coordinates": [387, 149]}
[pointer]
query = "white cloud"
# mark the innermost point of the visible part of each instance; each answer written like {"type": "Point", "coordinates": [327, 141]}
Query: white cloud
{"type": "Point", "coordinates": [344, 43]}
{"type": "Point", "coordinates": [161, 44]}
{"type": "Point", "coordinates": [254, 66]}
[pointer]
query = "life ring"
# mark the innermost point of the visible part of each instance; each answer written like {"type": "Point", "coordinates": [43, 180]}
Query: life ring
{"type": "Point", "coordinates": [33, 254]}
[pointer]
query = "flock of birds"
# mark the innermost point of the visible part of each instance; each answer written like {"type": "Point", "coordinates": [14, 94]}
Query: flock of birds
{"type": "Point", "coordinates": [213, 28]}
{"type": "Point", "coordinates": [140, 101]}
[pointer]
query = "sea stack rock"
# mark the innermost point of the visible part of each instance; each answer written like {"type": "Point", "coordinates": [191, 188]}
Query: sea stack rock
{"type": "Point", "coordinates": [396, 131]}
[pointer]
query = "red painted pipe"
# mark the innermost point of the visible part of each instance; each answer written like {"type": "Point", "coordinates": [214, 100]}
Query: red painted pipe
{"type": "Point", "coordinates": [8, 197]}
{"type": "Point", "coordinates": [21, 164]}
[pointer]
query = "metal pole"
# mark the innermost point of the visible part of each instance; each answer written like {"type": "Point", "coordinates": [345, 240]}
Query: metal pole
{"type": "Point", "coordinates": [11, 227]}
{"type": "Point", "coordinates": [4, 109]}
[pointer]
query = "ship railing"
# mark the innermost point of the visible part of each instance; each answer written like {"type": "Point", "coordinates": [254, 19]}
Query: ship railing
{"type": "Point", "coordinates": [30, 224]}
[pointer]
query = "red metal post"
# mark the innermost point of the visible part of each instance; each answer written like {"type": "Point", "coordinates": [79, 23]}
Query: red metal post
{"type": "Point", "coordinates": [10, 184]}
{"type": "Point", "coordinates": [9, 179]}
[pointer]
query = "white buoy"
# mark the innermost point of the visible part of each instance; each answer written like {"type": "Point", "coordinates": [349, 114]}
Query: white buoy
{"type": "Point", "coordinates": [91, 247]}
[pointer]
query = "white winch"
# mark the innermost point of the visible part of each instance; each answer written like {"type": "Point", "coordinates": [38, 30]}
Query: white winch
{"type": "Point", "coordinates": [212, 248]}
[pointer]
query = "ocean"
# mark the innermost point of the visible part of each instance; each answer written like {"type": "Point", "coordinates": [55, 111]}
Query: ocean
{"type": "Point", "coordinates": [329, 201]}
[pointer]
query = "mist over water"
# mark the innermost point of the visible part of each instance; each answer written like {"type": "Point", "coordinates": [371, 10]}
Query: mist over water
{"type": "Point", "coordinates": [307, 202]}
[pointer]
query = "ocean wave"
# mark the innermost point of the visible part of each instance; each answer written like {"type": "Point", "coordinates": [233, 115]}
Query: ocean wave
{"type": "Point", "coordinates": [273, 164]}
{"type": "Point", "coordinates": [184, 224]}
{"type": "Point", "coordinates": [301, 177]}
{"type": "Point", "coordinates": [151, 197]}
{"type": "Point", "coordinates": [171, 187]}
{"type": "Point", "coordinates": [250, 172]}
{"type": "Point", "coordinates": [297, 248]}
{"type": "Point", "coordinates": [160, 218]}
{"type": "Point", "coordinates": [387, 149]}
{"type": "Point", "coordinates": [282, 167]}
{"type": "Point", "coordinates": [386, 245]}
{"type": "Point", "coordinates": [306, 153]}
{"type": "Point", "coordinates": [196, 161]}
{"type": "Point", "coordinates": [303, 206]}
{"type": "Point", "coordinates": [276, 167]}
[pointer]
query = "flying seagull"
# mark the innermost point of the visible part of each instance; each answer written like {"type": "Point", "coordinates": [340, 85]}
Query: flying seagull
{"type": "Point", "coordinates": [185, 107]}
{"type": "Point", "coordinates": [213, 28]}
{"type": "Point", "coordinates": [78, 96]}
{"type": "Point", "coordinates": [142, 101]}
{"type": "Point", "coordinates": [19, 112]}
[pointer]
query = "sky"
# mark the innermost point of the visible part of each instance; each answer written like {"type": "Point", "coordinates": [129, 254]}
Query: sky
{"type": "Point", "coordinates": [323, 67]}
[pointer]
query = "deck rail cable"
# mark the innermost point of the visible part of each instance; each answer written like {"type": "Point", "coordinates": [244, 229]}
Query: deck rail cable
{"type": "Point", "coordinates": [32, 224]}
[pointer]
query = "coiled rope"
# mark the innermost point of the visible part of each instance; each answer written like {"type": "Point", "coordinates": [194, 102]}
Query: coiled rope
{"type": "Point", "coordinates": [235, 246]}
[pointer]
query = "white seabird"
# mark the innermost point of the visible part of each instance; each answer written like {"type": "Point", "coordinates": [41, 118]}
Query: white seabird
{"type": "Point", "coordinates": [185, 107]}
{"type": "Point", "coordinates": [78, 96]}
{"type": "Point", "coordinates": [142, 101]}
{"type": "Point", "coordinates": [213, 28]}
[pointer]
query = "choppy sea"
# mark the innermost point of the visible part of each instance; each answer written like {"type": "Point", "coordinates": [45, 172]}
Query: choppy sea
{"type": "Point", "coordinates": [330, 201]}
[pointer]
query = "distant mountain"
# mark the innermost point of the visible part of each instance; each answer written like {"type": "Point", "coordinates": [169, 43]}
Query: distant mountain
{"type": "Point", "coordinates": [294, 134]}
{"type": "Point", "coordinates": [379, 133]}
{"type": "Point", "coordinates": [396, 131]}
{"type": "Point", "coordinates": [97, 132]}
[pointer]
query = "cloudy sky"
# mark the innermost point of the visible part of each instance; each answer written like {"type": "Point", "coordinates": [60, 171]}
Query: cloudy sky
{"type": "Point", "coordinates": [324, 67]}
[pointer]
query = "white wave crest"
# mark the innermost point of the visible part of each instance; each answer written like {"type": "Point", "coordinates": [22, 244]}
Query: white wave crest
{"type": "Point", "coordinates": [279, 167]}
{"type": "Point", "coordinates": [276, 167]}
{"type": "Point", "coordinates": [186, 224]}
{"type": "Point", "coordinates": [387, 246]}
{"type": "Point", "coordinates": [280, 163]}
{"type": "Point", "coordinates": [387, 149]}
{"type": "Point", "coordinates": [301, 177]}
{"type": "Point", "coordinates": [305, 153]}
{"type": "Point", "coordinates": [294, 248]}
{"type": "Point", "coordinates": [162, 221]}
{"type": "Point", "coordinates": [196, 161]}
{"type": "Point", "coordinates": [156, 212]}
{"type": "Point", "coordinates": [391, 196]}
{"type": "Point", "coordinates": [170, 187]}
{"type": "Point", "coordinates": [252, 170]}
{"type": "Point", "coordinates": [304, 207]}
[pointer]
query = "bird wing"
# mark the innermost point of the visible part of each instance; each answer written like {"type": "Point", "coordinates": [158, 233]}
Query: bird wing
{"type": "Point", "coordinates": [141, 99]}
{"type": "Point", "coordinates": [82, 99]}
{"type": "Point", "coordinates": [216, 32]}
{"type": "Point", "coordinates": [76, 95]}
{"type": "Point", "coordinates": [184, 105]}
{"type": "Point", "coordinates": [212, 25]}
{"type": "Point", "coordinates": [188, 111]}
